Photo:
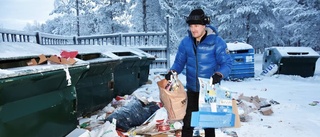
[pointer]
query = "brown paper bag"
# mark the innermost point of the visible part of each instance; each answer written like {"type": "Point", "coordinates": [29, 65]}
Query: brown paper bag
{"type": "Point", "coordinates": [175, 102]}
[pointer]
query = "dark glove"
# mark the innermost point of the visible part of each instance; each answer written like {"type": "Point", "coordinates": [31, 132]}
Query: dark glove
{"type": "Point", "coordinates": [216, 78]}
{"type": "Point", "coordinates": [168, 75]}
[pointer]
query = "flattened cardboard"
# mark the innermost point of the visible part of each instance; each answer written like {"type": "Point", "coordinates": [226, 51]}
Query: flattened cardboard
{"type": "Point", "coordinates": [43, 59]}
{"type": "Point", "coordinates": [32, 62]}
{"type": "Point", "coordinates": [54, 59]}
{"type": "Point", "coordinates": [237, 123]}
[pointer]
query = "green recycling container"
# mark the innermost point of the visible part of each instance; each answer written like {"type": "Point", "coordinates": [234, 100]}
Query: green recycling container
{"type": "Point", "coordinates": [146, 60]}
{"type": "Point", "coordinates": [36, 100]}
{"type": "Point", "coordinates": [126, 74]}
{"type": "Point", "coordinates": [95, 89]}
{"type": "Point", "coordinates": [145, 70]}
{"type": "Point", "coordinates": [133, 71]}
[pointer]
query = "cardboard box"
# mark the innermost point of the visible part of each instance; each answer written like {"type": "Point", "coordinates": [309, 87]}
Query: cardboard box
{"type": "Point", "coordinates": [32, 62]}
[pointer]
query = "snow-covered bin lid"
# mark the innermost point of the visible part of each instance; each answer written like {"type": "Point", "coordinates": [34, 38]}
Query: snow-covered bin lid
{"type": "Point", "coordinates": [20, 50]}
{"type": "Point", "coordinates": [296, 51]}
{"type": "Point", "coordinates": [238, 46]}
{"type": "Point", "coordinates": [141, 52]}
{"type": "Point", "coordinates": [86, 50]}
{"type": "Point", "coordinates": [113, 51]}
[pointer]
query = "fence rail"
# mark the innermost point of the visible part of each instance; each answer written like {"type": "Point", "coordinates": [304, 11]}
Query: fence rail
{"type": "Point", "coordinates": [154, 43]}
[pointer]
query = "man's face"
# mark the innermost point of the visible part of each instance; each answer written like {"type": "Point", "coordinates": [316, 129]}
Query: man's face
{"type": "Point", "coordinates": [197, 30]}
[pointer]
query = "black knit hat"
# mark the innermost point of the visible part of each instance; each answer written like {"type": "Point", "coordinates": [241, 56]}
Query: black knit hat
{"type": "Point", "coordinates": [197, 16]}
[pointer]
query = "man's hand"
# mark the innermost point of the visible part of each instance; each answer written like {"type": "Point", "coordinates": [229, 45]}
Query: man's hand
{"type": "Point", "coordinates": [168, 75]}
{"type": "Point", "coordinates": [216, 78]}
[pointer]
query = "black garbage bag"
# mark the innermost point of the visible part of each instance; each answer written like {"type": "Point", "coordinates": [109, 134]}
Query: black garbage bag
{"type": "Point", "coordinates": [133, 114]}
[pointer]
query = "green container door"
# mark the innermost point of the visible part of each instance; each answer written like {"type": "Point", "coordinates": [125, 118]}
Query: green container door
{"type": "Point", "coordinates": [291, 60]}
{"type": "Point", "coordinates": [145, 70]}
{"type": "Point", "coordinates": [126, 76]}
{"type": "Point", "coordinates": [39, 104]}
{"type": "Point", "coordinates": [95, 89]}
{"type": "Point", "coordinates": [303, 67]}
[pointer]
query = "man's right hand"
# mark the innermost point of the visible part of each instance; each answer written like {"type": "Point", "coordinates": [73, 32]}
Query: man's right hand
{"type": "Point", "coordinates": [168, 75]}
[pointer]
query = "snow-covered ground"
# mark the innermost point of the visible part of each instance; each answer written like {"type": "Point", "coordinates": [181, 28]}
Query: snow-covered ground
{"type": "Point", "coordinates": [295, 116]}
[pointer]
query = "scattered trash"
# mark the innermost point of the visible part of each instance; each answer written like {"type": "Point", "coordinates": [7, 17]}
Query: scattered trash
{"type": "Point", "coordinates": [270, 70]}
{"type": "Point", "coordinates": [314, 103]}
{"type": "Point", "coordinates": [274, 102]}
{"type": "Point", "coordinates": [230, 133]}
{"type": "Point", "coordinates": [267, 126]}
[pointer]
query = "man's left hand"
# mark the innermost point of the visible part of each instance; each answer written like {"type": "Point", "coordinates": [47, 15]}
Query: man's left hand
{"type": "Point", "coordinates": [216, 78]}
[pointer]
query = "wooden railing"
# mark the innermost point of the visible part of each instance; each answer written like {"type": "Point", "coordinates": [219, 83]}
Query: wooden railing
{"type": "Point", "coordinates": [154, 43]}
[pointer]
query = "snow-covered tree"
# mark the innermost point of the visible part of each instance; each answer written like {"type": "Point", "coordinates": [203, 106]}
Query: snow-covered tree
{"type": "Point", "coordinates": [261, 23]}
{"type": "Point", "coordinates": [304, 23]}
{"type": "Point", "coordinates": [250, 21]}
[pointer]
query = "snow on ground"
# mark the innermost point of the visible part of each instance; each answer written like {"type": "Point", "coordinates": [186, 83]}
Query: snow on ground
{"type": "Point", "coordinates": [293, 117]}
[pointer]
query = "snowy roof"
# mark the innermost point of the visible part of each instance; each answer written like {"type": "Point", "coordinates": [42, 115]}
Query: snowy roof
{"type": "Point", "coordinates": [292, 51]}
{"type": "Point", "coordinates": [238, 46]}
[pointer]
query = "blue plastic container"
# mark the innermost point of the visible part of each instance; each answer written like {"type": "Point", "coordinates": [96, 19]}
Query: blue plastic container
{"type": "Point", "coordinates": [212, 119]}
{"type": "Point", "coordinates": [242, 55]}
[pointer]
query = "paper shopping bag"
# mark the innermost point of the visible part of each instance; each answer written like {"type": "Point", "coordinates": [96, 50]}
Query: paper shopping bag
{"type": "Point", "coordinates": [174, 99]}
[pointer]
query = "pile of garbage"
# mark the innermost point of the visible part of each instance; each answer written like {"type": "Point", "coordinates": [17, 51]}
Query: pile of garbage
{"type": "Point", "coordinates": [248, 104]}
{"type": "Point", "coordinates": [143, 114]}
{"type": "Point", "coordinates": [139, 114]}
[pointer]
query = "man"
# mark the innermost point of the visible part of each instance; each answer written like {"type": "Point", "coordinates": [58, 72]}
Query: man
{"type": "Point", "coordinates": [205, 55]}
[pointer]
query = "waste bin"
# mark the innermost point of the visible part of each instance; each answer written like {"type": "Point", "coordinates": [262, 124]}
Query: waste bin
{"type": "Point", "coordinates": [127, 73]}
{"type": "Point", "coordinates": [242, 55]}
{"type": "Point", "coordinates": [36, 100]}
{"type": "Point", "coordinates": [146, 60]}
{"type": "Point", "coordinates": [95, 88]}
{"type": "Point", "coordinates": [291, 60]}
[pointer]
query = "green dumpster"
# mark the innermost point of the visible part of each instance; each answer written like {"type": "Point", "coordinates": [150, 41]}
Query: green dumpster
{"type": "Point", "coordinates": [291, 60]}
{"type": "Point", "coordinates": [127, 73]}
{"type": "Point", "coordinates": [145, 61]}
{"type": "Point", "coordinates": [36, 100]}
{"type": "Point", "coordinates": [95, 88]}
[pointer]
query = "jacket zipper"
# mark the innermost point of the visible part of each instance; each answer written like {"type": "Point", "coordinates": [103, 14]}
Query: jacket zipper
{"type": "Point", "coordinates": [195, 53]}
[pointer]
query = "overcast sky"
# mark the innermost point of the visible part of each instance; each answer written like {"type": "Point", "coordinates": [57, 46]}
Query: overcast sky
{"type": "Point", "coordinates": [15, 14]}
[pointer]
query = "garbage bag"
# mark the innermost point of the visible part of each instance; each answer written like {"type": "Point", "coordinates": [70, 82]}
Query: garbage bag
{"type": "Point", "coordinates": [132, 114]}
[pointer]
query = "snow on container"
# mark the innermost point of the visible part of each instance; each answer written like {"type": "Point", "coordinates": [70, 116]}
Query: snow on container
{"type": "Point", "coordinates": [242, 55]}
{"type": "Point", "coordinates": [36, 99]}
{"type": "Point", "coordinates": [291, 60]}
{"type": "Point", "coordinates": [95, 89]}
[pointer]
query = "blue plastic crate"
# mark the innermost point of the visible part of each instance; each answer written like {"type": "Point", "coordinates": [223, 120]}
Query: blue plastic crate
{"type": "Point", "coordinates": [212, 119]}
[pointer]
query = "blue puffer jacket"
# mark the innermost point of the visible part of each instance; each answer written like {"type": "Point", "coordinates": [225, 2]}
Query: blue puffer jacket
{"type": "Point", "coordinates": [204, 60]}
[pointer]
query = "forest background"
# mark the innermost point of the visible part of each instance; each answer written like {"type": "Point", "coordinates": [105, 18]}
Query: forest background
{"type": "Point", "coordinates": [260, 23]}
